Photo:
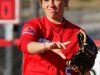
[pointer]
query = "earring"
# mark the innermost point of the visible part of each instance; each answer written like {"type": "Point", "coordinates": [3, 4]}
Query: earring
{"type": "Point", "coordinates": [66, 7]}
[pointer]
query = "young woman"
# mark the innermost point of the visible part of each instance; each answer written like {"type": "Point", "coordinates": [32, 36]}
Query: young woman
{"type": "Point", "coordinates": [48, 42]}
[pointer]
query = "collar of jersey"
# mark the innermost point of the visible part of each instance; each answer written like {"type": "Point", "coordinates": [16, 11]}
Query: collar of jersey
{"type": "Point", "coordinates": [55, 25]}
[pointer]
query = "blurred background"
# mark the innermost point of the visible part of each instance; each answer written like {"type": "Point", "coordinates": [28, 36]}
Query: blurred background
{"type": "Point", "coordinates": [84, 13]}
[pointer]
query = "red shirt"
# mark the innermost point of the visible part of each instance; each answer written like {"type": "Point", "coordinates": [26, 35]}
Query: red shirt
{"type": "Point", "coordinates": [48, 63]}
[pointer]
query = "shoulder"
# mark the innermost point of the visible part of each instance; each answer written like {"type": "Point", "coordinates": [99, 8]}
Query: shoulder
{"type": "Point", "coordinates": [70, 24]}
{"type": "Point", "coordinates": [35, 23]}
{"type": "Point", "coordinates": [73, 26]}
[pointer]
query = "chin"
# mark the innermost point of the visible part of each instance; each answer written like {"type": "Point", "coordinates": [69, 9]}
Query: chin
{"type": "Point", "coordinates": [53, 16]}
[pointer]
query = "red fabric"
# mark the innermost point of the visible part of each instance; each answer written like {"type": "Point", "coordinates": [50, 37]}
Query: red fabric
{"type": "Point", "coordinates": [48, 63]}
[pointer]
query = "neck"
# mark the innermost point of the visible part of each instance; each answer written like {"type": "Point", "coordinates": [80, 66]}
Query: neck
{"type": "Point", "coordinates": [56, 21]}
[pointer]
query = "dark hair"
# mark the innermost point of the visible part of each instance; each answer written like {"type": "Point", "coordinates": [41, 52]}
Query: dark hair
{"type": "Point", "coordinates": [40, 1]}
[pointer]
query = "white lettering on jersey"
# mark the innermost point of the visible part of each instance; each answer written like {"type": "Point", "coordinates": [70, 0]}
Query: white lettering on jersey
{"type": "Point", "coordinates": [29, 30]}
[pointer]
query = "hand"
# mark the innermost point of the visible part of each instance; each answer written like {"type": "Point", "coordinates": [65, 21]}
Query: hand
{"type": "Point", "coordinates": [56, 47]}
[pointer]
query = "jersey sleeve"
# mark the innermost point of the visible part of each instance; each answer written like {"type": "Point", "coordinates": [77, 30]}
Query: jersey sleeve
{"type": "Point", "coordinates": [30, 32]}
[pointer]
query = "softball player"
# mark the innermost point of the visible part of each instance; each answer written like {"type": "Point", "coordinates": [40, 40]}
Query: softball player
{"type": "Point", "coordinates": [48, 42]}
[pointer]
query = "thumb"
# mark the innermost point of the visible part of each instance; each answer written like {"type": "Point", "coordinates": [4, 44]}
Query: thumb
{"type": "Point", "coordinates": [59, 52]}
{"type": "Point", "coordinates": [62, 55]}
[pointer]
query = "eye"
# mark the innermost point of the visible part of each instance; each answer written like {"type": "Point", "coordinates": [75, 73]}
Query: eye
{"type": "Point", "coordinates": [45, 0]}
{"type": "Point", "coordinates": [57, 0]}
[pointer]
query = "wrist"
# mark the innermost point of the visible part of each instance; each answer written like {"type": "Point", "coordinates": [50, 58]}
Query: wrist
{"type": "Point", "coordinates": [46, 46]}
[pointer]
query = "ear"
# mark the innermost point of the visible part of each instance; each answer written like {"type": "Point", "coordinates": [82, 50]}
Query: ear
{"type": "Point", "coordinates": [66, 3]}
{"type": "Point", "coordinates": [42, 6]}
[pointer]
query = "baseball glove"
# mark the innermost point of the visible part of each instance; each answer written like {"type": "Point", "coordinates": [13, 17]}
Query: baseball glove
{"type": "Point", "coordinates": [83, 60]}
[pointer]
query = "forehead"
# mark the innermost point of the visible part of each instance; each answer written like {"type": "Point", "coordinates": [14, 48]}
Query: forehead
{"type": "Point", "coordinates": [40, 1]}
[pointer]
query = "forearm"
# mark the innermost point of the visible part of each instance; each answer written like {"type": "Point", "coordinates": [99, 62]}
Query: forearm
{"type": "Point", "coordinates": [35, 47]}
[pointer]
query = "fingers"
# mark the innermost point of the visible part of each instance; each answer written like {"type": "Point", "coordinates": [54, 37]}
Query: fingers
{"type": "Point", "coordinates": [65, 43]}
{"type": "Point", "coordinates": [58, 46]}
{"type": "Point", "coordinates": [61, 45]}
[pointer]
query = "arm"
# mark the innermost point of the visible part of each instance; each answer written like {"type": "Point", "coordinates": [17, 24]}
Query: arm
{"type": "Point", "coordinates": [36, 47]}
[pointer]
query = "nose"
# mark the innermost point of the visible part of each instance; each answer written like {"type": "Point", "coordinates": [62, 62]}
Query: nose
{"type": "Point", "coordinates": [51, 3]}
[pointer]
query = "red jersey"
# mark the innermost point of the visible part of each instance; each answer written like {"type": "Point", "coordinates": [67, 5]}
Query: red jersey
{"type": "Point", "coordinates": [48, 63]}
